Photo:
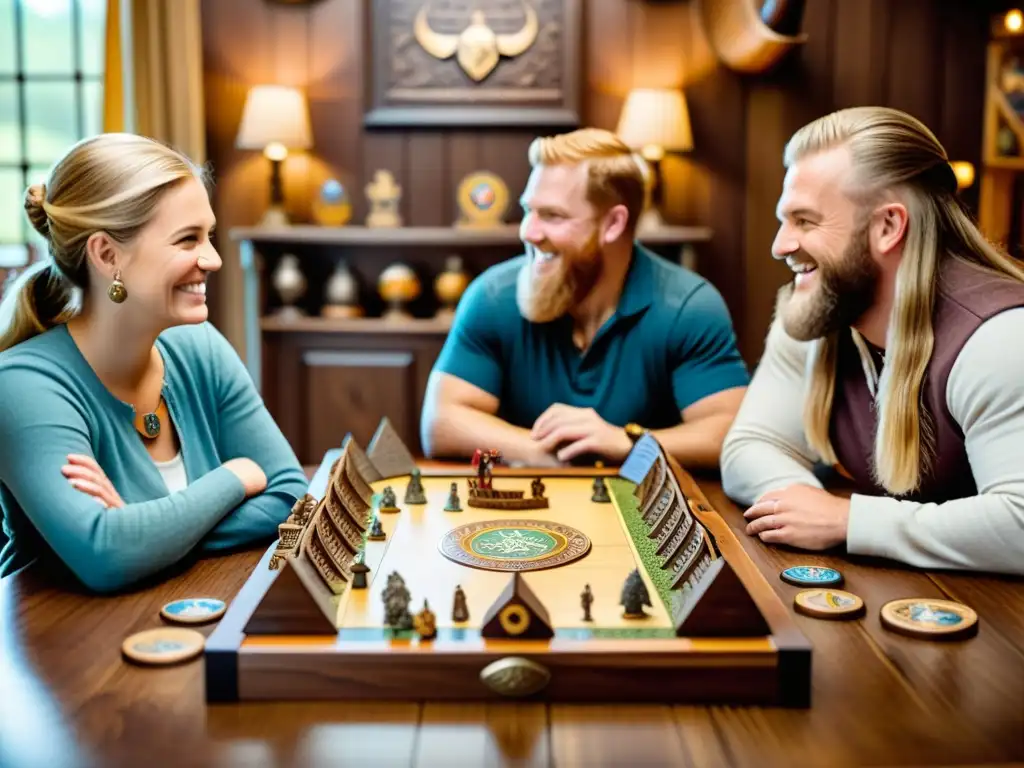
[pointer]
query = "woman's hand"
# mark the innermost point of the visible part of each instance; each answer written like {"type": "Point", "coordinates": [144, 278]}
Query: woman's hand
{"type": "Point", "coordinates": [85, 474]}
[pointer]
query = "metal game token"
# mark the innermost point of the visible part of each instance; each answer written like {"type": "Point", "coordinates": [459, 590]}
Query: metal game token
{"type": "Point", "coordinates": [828, 604]}
{"type": "Point", "coordinates": [930, 618]}
{"type": "Point", "coordinates": [812, 576]}
{"type": "Point", "coordinates": [167, 645]}
{"type": "Point", "coordinates": [193, 610]}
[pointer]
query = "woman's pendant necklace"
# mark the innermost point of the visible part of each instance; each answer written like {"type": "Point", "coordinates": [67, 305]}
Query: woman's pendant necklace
{"type": "Point", "coordinates": [149, 425]}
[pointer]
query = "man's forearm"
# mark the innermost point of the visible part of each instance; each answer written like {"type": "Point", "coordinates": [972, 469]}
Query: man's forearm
{"type": "Point", "coordinates": [696, 444]}
{"type": "Point", "coordinates": [458, 431]}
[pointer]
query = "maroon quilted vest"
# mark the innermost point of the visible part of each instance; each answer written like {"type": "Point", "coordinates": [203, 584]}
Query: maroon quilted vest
{"type": "Point", "coordinates": [966, 297]}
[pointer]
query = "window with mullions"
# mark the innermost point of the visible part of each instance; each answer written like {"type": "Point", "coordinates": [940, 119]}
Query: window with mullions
{"type": "Point", "coordinates": [51, 95]}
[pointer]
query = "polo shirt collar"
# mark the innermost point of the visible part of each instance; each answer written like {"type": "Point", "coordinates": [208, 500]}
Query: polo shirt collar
{"type": "Point", "coordinates": [638, 288]}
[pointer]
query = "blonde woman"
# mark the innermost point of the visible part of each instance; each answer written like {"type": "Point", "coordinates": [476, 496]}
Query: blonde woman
{"type": "Point", "coordinates": [895, 358]}
{"type": "Point", "coordinates": [131, 435]}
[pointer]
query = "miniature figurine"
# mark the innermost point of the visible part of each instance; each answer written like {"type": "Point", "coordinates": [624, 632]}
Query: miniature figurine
{"type": "Point", "coordinates": [600, 494]}
{"type": "Point", "coordinates": [359, 571]}
{"type": "Point", "coordinates": [453, 499]}
{"type": "Point", "coordinates": [426, 623]}
{"type": "Point", "coordinates": [537, 488]}
{"type": "Point", "coordinates": [387, 500]}
{"type": "Point", "coordinates": [634, 596]}
{"type": "Point", "coordinates": [587, 600]}
{"type": "Point", "coordinates": [460, 611]}
{"type": "Point", "coordinates": [396, 603]}
{"type": "Point", "coordinates": [414, 491]}
{"type": "Point", "coordinates": [376, 530]}
{"type": "Point", "coordinates": [484, 462]}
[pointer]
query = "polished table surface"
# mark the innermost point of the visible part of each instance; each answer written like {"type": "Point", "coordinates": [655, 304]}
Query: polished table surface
{"type": "Point", "coordinates": [67, 698]}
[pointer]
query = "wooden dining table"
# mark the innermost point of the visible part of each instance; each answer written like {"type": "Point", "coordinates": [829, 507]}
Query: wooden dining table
{"type": "Point", "coordinates": [69, 698]}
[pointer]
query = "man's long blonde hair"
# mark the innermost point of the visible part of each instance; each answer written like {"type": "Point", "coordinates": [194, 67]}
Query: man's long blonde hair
{"type": "Point", "coordinates": [893, 152]}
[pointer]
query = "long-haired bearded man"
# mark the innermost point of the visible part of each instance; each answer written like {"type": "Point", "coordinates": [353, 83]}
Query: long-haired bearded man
{"type": "Point", "coordinates": [553, 354]}
{"type": "Point", "coordinates": [894, 358]}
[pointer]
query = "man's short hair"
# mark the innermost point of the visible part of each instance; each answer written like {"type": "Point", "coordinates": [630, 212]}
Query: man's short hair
{"type": "Point", "coordinates": [614, 174]}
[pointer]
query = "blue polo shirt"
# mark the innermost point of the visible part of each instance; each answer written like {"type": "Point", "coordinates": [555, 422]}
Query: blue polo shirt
{"type": "Point", "coordinates": [669, 344]}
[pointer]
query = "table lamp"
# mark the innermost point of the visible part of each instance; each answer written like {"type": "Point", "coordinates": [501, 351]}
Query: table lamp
{"type": "Point", "coordinates": [275, 119]}
{"type": "Point", "coordinates": [655, 121]}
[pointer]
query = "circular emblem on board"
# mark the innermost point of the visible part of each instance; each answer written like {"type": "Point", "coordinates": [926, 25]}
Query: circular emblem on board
{"type": "Point", "coordinates": [924, 617]}
{"type": "Point", "coordinates": [514, 545]}
{"type": "Point", "coordinates": [812, 576]}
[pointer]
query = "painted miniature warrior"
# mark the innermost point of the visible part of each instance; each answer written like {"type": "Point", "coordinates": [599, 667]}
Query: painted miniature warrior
{"type": "Point", "coordinates": [426, 623]}
{"type": "Point", "coordinates": [537, 488]}
{"type": "Point", "coordinates": [484, 462]}
{"type": "Point", "coordinates": [376, 530]}
{"type": "Point", "coordinates": [396, 603]}
{"type": "Point", "coordinates": [414, 491]}
{"type": "Point", "coordinates": [387, 499]}
{"type": "Point", "coordinates": [600, 494]}
{"type": "Point", "coordinates": [460, 611]}
{"type": "Point", "coordinates": [587, 600]}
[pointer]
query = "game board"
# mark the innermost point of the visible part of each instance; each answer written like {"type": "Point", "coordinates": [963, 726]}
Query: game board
{"type": "Point", "coordinates": [589, 584]}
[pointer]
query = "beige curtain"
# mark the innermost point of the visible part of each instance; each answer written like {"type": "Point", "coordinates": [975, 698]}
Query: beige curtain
{"type": "Point", "coordinates": [160, 64]}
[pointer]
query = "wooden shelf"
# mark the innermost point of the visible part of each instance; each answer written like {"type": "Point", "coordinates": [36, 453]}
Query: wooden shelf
{"type": "Point", "coordinates": [431, 236]}
{"type": "Point", "coordinates": [313, 324]}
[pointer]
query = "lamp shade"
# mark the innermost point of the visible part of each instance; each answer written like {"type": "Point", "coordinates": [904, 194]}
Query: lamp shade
{"type": "Point", "coordinates": [656, 119]}
{"type": "Point", "coordinates": [274, 114]}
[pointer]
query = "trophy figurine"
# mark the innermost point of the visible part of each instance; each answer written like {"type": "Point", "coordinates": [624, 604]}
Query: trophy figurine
{"type": "Point", "coordinates": [290, 284]}
{"type": "Point", "coordinates": [398, 285]}
{"type": "Point", "coordinates": [384, 195]}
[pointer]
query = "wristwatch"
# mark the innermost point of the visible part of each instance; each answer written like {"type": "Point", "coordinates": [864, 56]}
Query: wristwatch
{"type": "Point", "coordinates": [634, 432]}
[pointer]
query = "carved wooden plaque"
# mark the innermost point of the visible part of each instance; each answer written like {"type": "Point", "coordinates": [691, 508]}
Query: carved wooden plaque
{"type": "Point", "coordinates": [474, 62]}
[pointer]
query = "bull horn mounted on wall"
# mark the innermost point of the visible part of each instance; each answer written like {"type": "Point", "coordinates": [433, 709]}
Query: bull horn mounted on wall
{"type": "Point", "coordinates": [750, 40]}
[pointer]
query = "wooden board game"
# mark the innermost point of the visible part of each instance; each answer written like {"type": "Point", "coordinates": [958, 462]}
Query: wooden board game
{"type": "Point", "coordinates": [500, 583]}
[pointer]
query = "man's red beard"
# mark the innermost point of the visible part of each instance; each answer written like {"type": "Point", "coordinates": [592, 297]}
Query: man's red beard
{"type": "Point", "coordinates": [546, 297]}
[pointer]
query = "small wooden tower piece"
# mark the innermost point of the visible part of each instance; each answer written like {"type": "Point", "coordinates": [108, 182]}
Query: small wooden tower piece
{"type": "Point", "coordinates": [517, 614]}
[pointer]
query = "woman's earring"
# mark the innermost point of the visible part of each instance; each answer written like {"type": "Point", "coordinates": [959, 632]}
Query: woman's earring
{"type": "Point", "coordinates": [117, 292]}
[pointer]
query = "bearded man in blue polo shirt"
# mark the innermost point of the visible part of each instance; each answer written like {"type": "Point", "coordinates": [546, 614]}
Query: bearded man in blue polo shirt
{"type": "Point", "coordinates": [565, 353]}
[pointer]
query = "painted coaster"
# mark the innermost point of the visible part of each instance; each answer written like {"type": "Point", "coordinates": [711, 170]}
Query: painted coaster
{"type": "Point", "coordinates": [194, 610]}
{"type": "Point", "coordinates": [828, 604]}
{"type": "Point", "coordinates": [167, 645]}
{"type": "Point", "coordinates": [812, 576]}
{"type": "Point", "coordinates": [925, 617]}
{"type": "Point", "coordinates": [514, 545]}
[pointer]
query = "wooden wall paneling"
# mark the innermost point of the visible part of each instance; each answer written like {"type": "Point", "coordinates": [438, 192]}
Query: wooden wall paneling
{"type": "Point", "coordinates": [462, 157]}
{"type": "Point", "coordinates": [965, 39]}
{"type": "Point", "coordinates": [427, 179]}
{"type": "Point", "coordinates": [915, 67]}
{"type": "Point", "coordinates": [353, 390]}
{"type": "Point", "coordinates": [335, 93]}
{"type": "Point", "coordinates": [852, 83]}
{"type": "Point", "coordinates": [608, 56]}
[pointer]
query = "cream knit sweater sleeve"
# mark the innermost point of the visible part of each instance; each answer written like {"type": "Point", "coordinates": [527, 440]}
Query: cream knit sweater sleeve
{"type": "Point", "coordinates": [985, 395]}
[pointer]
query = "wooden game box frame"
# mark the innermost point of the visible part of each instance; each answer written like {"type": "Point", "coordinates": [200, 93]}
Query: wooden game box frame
{"type": "Point", "coordinates": [737, 643]}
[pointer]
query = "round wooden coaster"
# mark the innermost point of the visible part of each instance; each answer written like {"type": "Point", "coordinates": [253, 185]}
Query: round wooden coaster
{"type": "Point", "coordinates": [828, 604]}
{"type": "Point", "coordinates": [514, 545]}
{"type": "Point", "coordinates": [194, 610]}
{"type": "Point", "coordinates": [812, 576]}
{"type": "Point", "coordinates": [929, 618]}
{"type": "Point", "coordinates": [167, 645]}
